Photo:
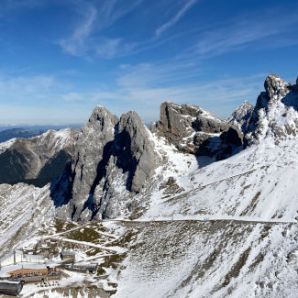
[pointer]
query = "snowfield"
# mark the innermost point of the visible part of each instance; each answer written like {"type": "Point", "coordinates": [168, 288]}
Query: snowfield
{"type": "Point", "coordinates": [257, 184]}
{"type": "Point", "coordinates": [230, 232]}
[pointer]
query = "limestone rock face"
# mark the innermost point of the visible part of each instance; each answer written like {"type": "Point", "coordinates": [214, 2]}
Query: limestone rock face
{"type": "Point", "coordinates": [193, 130]}
{"type": "Point", "coordinates": [176, 121]}
{"type": "Point", "coordinates": [114, 159]}
{"type": "Point", "coordinates": [134, 150]}
{"type": "Point", "coordinates": [93, 148]}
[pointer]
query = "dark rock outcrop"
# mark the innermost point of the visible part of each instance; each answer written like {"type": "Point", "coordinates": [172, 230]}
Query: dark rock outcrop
{"type": "Point", "coordinates": [232, 136]}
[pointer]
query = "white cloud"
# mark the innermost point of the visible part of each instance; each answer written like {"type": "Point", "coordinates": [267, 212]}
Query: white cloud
{"type": "Point", "coordinates": [176, 18]}
{"type": "Point", "coordinates": [239, 34]}
{"type": "Point", "coordinates": [20, 86]}
{"type": "Point", "coordinates": [76, 43]}
{"type": "Point", "coordinates": [87, 38]}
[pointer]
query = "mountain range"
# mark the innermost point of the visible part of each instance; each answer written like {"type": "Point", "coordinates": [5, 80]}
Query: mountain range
{"type": "Point", "coordinates": [210, 205]}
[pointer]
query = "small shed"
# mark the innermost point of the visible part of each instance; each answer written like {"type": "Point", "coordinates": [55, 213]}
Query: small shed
{"type": "Point", "coordinates": [12, 288]}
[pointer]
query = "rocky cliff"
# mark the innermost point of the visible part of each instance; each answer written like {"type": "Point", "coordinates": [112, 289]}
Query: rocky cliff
{"type": "Point", "coordinates": [113, 160]}
{"type": "Point", "coordinates": [194, 130]}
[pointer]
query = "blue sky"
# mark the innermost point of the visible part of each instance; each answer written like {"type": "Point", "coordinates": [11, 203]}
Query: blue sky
{"type": "Point", "coordinates": [61, 58]}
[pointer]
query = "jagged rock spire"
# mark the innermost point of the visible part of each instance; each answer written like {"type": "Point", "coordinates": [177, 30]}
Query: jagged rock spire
{"type": "Point", "coordinates": [275, 114]}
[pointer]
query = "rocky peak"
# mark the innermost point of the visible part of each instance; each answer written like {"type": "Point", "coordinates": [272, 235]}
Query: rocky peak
{"type": "Point", "coordinates": [241, 115]}
{"type": "Point", "coordinates": [114, 159]}
{"type": "Point", "coordinates": [88, 165]}
{"type": "Point", "coordinates": [275, 87]}
{"type": "Point", "coordinates": [101, 119]}
{"type": "Point", "coordinates": [275, 114]}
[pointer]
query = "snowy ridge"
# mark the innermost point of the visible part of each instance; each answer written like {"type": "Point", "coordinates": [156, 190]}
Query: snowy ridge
{"type": "Point", "coordinates": [5, 145]}
{"type": "Point", "coordinates": [58, 138]}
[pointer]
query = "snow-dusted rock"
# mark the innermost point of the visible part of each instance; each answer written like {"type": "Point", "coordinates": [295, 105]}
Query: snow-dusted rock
{"type": "Point", "coordinates": [241, 115]}
{"type": "Point", "coordinates": [275, 114]}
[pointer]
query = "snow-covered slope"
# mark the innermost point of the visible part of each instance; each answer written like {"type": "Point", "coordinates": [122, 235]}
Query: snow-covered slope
{"type": "Point", "coordinates": [258, 183]}
{"type": "Point", "coordinates": [24, 209]}
{"type": "Point", "coordinates": [228, 229]}
{"type": "Point", "coordinates": [210, 259]}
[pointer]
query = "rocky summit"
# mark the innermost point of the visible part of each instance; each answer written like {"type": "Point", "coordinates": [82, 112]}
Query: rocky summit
{"type": "Point", "coordinates": [109, 152]}
{"type": "Point", "coordinates": [275, 113]}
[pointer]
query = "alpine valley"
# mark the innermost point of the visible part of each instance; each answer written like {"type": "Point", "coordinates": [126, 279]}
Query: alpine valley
{"type": "Point", "coordinates": [193, 206]}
